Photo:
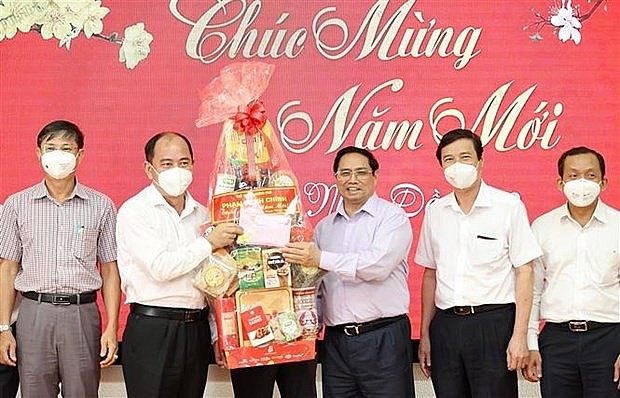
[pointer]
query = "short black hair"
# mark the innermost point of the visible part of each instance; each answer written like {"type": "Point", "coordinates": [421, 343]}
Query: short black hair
{"type": "Point", "coordinates": [149, 148]}
{"type": "Point", "coordinates": [458, 134]}
{"type": "Point", "coordinates": [61, 128]}
{"type": "Point", "coordinates": [580, 150]}
{"type": "Point", "coordinates": [372, 161]}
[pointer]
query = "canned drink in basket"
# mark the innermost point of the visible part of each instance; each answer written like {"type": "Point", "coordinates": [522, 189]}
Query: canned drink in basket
{"type": "Point", "coordinates": [304, 302]}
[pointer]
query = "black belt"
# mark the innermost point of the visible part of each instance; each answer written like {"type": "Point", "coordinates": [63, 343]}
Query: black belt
{"type": "Point", "coordinates": [175, 314]}
{"type": "Point", "coordinates": [354, 329]}
{"type": "Point", "coordinates": [581, 326]}
{"type": "Point", "coordinates": [62, 299]}
{"type": "Point", "coordinates": [475, 309]}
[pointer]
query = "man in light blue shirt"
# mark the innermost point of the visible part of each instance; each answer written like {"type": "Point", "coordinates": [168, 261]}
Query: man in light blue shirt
{"type": "Point", "coordinates": [365, 299]}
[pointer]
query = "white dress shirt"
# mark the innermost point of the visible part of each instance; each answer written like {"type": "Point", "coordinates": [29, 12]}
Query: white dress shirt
{"type": "Point", "coordinates": [474, 254]}
{"type": "Point", "coordinates": [159, 251]}
{"type": "Point", "coordinates": [578, 276]}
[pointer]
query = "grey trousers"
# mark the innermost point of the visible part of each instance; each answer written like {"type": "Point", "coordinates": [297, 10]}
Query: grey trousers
{"type": "Point", "coordinates": [58, 344]}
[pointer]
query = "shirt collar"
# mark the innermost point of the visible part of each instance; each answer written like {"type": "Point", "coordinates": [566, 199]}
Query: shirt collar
{"type": "Point", "coordinates": [601, 213]}
{"type": "Point", "coordinates": [369, 207]}
{"type": "Point", "coordinates": [40, 191]}
{"type": "Point", "coordinates": [483, 199]}
{"type": "Point", "coordinates": [157, 199]}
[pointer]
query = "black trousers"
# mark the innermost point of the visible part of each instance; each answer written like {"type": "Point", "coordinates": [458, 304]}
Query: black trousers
{"type": "Point", "coordinates": [579, 365]}
{"type": "Point", "coordinates": [9, 379]}
{"type": "Point", "coordinates": [165, 358]}
{"type": "Point", "coordinates": [468, 354]}
{"type": "Point", "coordinates": [295, 380]}
{"type": "Point", "coordinates": [373, 364]}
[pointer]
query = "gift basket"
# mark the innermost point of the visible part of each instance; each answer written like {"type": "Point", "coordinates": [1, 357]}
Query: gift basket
{"type": "Point", "coordinates": [265, 308]}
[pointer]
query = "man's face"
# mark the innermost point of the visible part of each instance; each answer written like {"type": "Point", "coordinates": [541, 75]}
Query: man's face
{"type": "Point", "coordinates": [462, 151]}
{"type": "Point", "coordinates": [62, 143]}
{"type": "Point", "coordinates": [355, 181]}
{"type": "Point", "coordinates": [170, 151]}
{"type": "Point", "coordinates": [584, 166]}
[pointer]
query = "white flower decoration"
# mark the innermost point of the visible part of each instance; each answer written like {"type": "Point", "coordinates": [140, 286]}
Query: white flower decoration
{"type": "Point", "coordinates": [57, 22]}
{"type": "Point", "coordinates": [569, 25]}
{"type": "Point", "coordinates": [17, 15]}
{"type": "Point", "coordinates": [92, 16]}
{"type": "Point", "coordinates": [135, 45]}
{"type": "Point", "coordinates": [5, 11]}
{"type": "Point", "coordinates": [64, 20]}
{"type": "Point", "coordinates": [7, 29]}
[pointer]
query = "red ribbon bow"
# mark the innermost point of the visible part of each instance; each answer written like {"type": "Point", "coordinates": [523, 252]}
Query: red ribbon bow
{"type": "Point", "coordinates": [251, 119]}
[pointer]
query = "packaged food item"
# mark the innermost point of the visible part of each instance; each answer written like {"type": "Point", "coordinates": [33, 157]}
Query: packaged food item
{"type": "Point", "coordinates": [289, 326]}
{"type": "Point", "coordinates": [304, 301]}
{"type": "Point", "coordinates": [227, 330]}
{"type": "Point", "coordinates": [278, 336]}
{"type": "Point", "coordinates": [256, 326]}
{"type": "Point", "coordinates": [216, 274]}
{"type": "Point", "coordinates": [276, 269]}
{"type": "Point", "coordinates": [304, 276]}
{"type": "Point", "coordinates": [249, 262]}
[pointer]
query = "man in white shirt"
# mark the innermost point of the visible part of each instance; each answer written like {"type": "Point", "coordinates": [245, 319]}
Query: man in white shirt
{"type": "Point", "coordinates": [477, 249]}
{"type": "Point", "coordinates": [167, 340]}
{"type": "Point", "coordinates": [577, 287]}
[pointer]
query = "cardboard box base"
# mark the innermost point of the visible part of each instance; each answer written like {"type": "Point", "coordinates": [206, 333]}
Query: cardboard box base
{"type": "Point", "coordinates": [296, 351]}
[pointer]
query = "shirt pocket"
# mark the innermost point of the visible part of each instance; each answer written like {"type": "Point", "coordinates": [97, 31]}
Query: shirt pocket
{"type": "Point", "coordinates": [605, 267]}
{"type": "Point", "coordinates": [486, 248]}
{"type": "Point", "coordinates": [85, 244]}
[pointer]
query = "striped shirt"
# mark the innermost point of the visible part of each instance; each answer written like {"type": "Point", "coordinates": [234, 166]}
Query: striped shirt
{"type": "Point", "coordinates": [17, 297]}
{"type": "Point", "coordinates": [58, 245]}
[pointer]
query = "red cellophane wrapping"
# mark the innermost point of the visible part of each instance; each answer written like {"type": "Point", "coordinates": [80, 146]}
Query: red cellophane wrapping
{"type": "Point", "coordinates": [253, 184]}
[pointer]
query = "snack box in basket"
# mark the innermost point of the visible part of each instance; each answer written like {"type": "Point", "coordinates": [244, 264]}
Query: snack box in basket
{"type": "Point", "coordinates": [238, 346]}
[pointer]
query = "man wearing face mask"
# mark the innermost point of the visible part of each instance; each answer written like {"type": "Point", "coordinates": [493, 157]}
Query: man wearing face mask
{"type": "Point", "coordinates": [167, 340]}
{"type": "Point", "coordinates": [577, 287]}
{"type": "Point", "coordinates": [477, 249]}
{"type": "Point", "coordinates": [57, 249]}
{"type": "Point", "coordinates": [364, 244]}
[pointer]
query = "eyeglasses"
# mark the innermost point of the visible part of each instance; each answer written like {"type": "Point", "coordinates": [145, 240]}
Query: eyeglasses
{"type": "Point", "coordinates": [64, 148]}
{"type": "Point", "coordinates": [360, 174]}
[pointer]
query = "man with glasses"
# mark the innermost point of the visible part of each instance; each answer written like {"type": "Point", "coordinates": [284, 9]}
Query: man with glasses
{"type": "Point", "coordinates": [57, 249]}
{"type": "Point", "coordinates": [167, 340]}
{"type": "Point", "coordinates": [577, 287]}
{"type": "Point", "coordinates": [367, 349]}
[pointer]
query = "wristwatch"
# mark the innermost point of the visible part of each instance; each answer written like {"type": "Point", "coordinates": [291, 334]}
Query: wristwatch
{"type": "Point", "coordinates": [5, 328]}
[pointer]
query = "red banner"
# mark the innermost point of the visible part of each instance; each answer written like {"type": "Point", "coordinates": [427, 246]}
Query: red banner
{"type": "Point", "coordinates": [532, 78]}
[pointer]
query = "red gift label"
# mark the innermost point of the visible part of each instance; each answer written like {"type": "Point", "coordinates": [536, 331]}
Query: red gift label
{"type": "Point", "coordinates": [227, 206]}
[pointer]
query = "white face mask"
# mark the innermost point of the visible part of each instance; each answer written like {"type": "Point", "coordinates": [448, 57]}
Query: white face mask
{"type": "Point", "coordinates": [461, 175]}
{"type": "Point", "coordinates": [58, 164]}
{"type": "Point", "coordinates": [581, 192]}
{"type": "Point", "coordinates": [174, 181]}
